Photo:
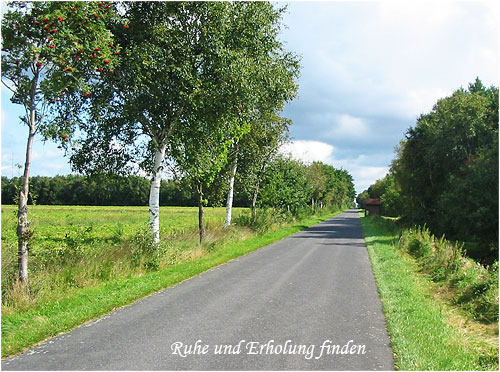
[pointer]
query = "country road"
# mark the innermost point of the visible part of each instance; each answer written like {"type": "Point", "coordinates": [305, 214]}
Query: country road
{"type": "Point", "coordinates": [307, 302]}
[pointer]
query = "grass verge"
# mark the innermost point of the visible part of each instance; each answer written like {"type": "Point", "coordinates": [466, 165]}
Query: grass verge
{"type": "Point", "coordinates": [21, 330]}
{"type": "Point", "coordinates": [424, 332]}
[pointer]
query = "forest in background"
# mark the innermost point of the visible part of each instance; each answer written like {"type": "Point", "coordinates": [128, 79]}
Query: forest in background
{"type": "Point", "coordinates": [445, 173]}
{"type": "Point", "coordinates": [287, 185]}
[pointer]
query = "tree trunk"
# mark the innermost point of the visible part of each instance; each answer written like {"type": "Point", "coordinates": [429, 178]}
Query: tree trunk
{"type": "Point", "coordinates": [230, 193]}
{"type": "Point", "coordinates": [154, 194]}
{"type": "Point", "coordinates": [201, 213]}
{"type": "Point", "coordinates": [254, 203]}
{"type": "Point", "coordinates": [23, 232]}
{"type": "Point", "coordinates": [312, 204]}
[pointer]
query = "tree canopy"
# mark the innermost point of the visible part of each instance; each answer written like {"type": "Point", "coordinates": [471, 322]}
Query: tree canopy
{"type": "Point", "coordinates": [445, 174]}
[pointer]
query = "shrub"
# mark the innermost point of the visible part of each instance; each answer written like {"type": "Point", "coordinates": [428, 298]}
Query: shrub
{"type": "Point", "coordinates": [266, 219]}
{"type": "Point", "coordinates": [145, 252]}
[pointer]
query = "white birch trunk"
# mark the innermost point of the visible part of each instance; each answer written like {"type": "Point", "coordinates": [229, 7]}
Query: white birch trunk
{"type": "Point", "coordinates": [23, 231]}
{"type": "Point", "coordinates": [154, 194]}
{"type": "Point", "coordinates": [230, 193]}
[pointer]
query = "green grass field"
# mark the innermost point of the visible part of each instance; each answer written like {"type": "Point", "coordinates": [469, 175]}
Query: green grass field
{"type": "Point", "coordinates": [427, 333]}
{"type": "Point", "coordinates": [86, 261]}
{"type": "Point", "coordinates": [52, 223]}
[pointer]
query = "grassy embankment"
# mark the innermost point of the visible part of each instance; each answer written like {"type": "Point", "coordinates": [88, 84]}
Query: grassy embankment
{"type": "Point", "coordinates": [430, 326]}
{"type": "Point", "coordinates": [87, 261]}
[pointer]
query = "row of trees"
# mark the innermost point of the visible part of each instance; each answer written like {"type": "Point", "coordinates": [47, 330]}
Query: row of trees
{"type": "Point", "coordinates": [286, 185]}
{"type": "Point", "coordinates": [196, 86]}
{"type": "Point", "coordinates": [445, 174]}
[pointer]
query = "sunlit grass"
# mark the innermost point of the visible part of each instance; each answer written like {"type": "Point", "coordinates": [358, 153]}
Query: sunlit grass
{"type": "Point", "coordinates": [423, 335]}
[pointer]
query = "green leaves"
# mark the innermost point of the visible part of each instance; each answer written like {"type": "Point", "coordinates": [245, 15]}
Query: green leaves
{"type": "Point", "coordinates": [47, 50]}
{"type": "Point", "coordinates": [446, 169]}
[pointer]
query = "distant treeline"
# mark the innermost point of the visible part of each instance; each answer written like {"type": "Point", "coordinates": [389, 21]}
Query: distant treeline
{"type": "Point", "coordinates": [445, 174]}
{"type": "Point", "coordinates": [286, 184]}
{"type": "Point", "coordinates": [106, 190]}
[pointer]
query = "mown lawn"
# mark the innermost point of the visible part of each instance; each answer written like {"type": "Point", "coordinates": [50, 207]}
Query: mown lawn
{"type": "Point", "coordinates": [426, 333]}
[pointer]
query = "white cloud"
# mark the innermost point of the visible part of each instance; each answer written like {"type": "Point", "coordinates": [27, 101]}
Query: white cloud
{"type": "Point", "coordinates": [308, 151]}
{"type": "Point", "coordinates": [361, 168]}
{"type": "Point", "coordinates": [366, 57]}
{"type": "Point", "coordinates": [349, 126]}
{"type": "Point", "coordinates": [419, 101]}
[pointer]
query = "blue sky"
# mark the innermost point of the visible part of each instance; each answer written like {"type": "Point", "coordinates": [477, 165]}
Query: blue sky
{"type": "Point", "coordinates": [369, 70]}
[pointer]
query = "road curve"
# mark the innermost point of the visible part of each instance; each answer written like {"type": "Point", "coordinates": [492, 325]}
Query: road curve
{"type": "Point", "coordinates": [307, 302]}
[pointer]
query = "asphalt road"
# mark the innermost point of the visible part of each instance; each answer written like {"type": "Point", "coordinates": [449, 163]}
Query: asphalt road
{"type": "Point", "coordinates": [308, 302]}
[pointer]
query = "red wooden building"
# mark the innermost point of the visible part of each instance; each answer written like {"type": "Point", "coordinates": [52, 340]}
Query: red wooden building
{"type": "Point", "coordinates": [372, 206]}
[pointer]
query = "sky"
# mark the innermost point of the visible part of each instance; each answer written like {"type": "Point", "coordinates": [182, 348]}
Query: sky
{"type": "Point", "coordinates": [369, 69]}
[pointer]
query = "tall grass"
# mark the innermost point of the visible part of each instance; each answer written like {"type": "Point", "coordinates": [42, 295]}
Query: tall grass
{"type": "Point", "coordinates": [475, 286]}
{"type": "Point", "coordinates": [76, 247]}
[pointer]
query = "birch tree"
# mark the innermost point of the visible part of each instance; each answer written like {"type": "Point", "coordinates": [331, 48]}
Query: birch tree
{"type": "Point", "coordinates": [50, 52]}
{"type": "Point", "coordinates": [173, 57]}
{"type": "Point", "coordinates": [271, 85]}
{"type": "Point", "coordinates": [186, 78]}
{"type": "Point", "coordinates": [257, 149]}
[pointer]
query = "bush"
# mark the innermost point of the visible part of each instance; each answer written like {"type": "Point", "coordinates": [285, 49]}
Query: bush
{"type": "Point", "coordinates": [266, 219]}
{"type": "Point", "coordinates": [145, 252]}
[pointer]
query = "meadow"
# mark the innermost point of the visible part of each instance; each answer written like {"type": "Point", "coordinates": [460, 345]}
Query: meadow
{"type": "Point", "coordinates": [77, 246]}
{"type": "Point", "coordinates": [52, 223]}
{"type": "Point", "coordinates": [85, 262]}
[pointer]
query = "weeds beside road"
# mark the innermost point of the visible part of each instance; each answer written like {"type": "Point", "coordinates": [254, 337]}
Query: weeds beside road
{"type": "Point", "coordinates": [429, 331]}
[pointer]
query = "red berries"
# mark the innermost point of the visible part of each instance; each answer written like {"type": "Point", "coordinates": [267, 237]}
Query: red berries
{"type": "Point", "coordinates": [99, 69]}
{"type": "Point", "coordinates": [64, 137]}
{"type": "Point", "coordinates": [73, 148]}
{"type": "Point", "coordinates": [69, 69]}
{"type": "Point", "coordinates": [86, 95]}
{"type": "Point", "coordinates": [127, 26]}
{"type": "Point", "coordinates": [39, 64]}
{"type": "Point", "coordinates": [37, 23]}
{"type": "Point", "coordinates": [51, 46]}
{"type": "Point", "coordinates": [106, 61]}
{"type": "Point", "coordinates": [74, 8]}
{"type": "Point", "coordinates": [96, 15]}
{"type": "Point", "coordinates": [116, 53]}
{"type": "Point", "coordinates": [97, 49]}
{"type": "Point", "coordinates": [53, 31]}
{"type": "Point", "coordinates": [91, 56]}
{"type": "Point", "coordinates": [61, 19]}
{"type": "Point", "coordinates": [45, 20]}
